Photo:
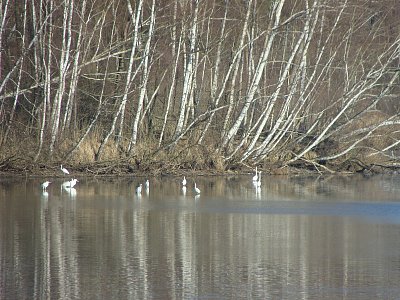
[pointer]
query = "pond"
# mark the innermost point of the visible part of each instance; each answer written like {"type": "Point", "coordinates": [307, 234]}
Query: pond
{"type": "Point", "coordinates": [325, 237]}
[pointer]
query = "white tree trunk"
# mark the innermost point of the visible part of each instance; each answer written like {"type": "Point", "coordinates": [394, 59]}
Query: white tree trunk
{"type": "Point", "coordinates": [130, 74]}
{"type": "Point", "coordinates": [276, 14]}
{"type": "Point", "coordinates": [143, 90]}
{"type": "Point", "coordinates": [188, 73]}
{"type": "Point", "coordinates": [64, 66]}
{"type": "Point", "coordinates": [216, 75]}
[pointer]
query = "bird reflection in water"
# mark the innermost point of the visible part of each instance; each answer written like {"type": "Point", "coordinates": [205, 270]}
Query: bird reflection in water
{"type": "Point", "coordinates": [184, 190]}
{"type": "Point", "coordinates": [45, 195]}
{"type": "Point", "coordinates": [70, 190]}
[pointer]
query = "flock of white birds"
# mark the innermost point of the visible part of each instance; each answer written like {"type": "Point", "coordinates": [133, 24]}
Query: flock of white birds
{"type": "Point", "coordinates": [184, 183]}
{"type": "Point", "coordinates": [69, 184]}
{"type": "Point", "coordinates": [72, 182]}
{"type": "Point", "coordinates": [256, 183]}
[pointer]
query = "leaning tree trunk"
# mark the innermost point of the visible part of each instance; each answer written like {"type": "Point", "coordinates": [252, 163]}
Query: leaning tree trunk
{"type": "Point", "coordinates": [275, 18]}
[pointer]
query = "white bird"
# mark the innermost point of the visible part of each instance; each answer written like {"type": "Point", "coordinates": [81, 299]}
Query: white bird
{"type": "Point", "coordinates": [139, 189]}
{"type": "Point", "coordinates": [184, 181]}
{"type": "Point", "coordinates": [147, 184]}
{"type": "Point", "coordinates": [73, 182]}
{"type": "Point", "coordinates": [255, 177]}
{"type": "Point", "coordinates": [64, 170]}
{"type": "Point", "coordinates": [70, 183]}
{"type": "Point", "coordinates": [45, 185]}
{"type": "Point", "coordinates": [196, 189]}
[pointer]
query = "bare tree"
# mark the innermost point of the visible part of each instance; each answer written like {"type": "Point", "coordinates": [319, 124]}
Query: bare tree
{"type": "Point", "coordinates": [143, 89]}
{"type": "Point", "coordinates": [188, 77]}
{"type": "Point", "coordinates": [275, 22]}
{"type": "Point", "coordinates": [131, 74]}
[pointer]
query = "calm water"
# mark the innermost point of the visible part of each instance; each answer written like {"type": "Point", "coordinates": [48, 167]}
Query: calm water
{"type": "Point", "coordinates": [296, 238]}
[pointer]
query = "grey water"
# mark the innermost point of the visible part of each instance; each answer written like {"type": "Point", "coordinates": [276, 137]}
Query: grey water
{"type": "Point", "coordinates": [328, 237]}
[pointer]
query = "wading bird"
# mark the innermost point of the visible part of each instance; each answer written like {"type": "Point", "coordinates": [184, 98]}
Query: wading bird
{"type": "Point", "coordinates": [70, 183]}
{"type": "Point", "coordinates": [64, 170]}
{"type": "Point", "coordinates": [45, 185]}
{"type": "Point", "coordinates": [184, 181]}
{"type": "Point", "coordinates": [196, 189]}
{"type": "Point", "coordinates": [255, 177]}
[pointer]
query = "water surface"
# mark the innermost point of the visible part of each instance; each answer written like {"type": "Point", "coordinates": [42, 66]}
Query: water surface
{"type": "Point", "coordinates": [295, 238]}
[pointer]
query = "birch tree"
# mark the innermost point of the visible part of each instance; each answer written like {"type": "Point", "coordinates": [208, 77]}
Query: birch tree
{"type": "Point", "coordinates": [20, 73]}
{"type": "Point", "coordinates": [188, 70]}
{"type": "Point", "coordinates": [275, 20]}
{"type": "Point", "coordinates": [55, 117]}
{"type": "Point", "coordinates": [131, 74]}
{"type": "Point", "coordinates": [3, 14]}
{"type": "Point", "coordinates": [146, 71]}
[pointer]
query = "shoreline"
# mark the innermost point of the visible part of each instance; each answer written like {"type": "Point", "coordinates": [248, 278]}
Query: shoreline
{"type": "Point", "coordinates": [123, 169]}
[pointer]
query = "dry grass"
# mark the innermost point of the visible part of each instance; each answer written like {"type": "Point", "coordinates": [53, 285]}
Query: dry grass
{"type": "Point", "coordinates": [370, 150]}
{"type": "Point", "coordinates": [89, 147]}
{"type": "Point", "coordinates": [183, 156]}
{"type": "Point", "coordinates": [186, 155]}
